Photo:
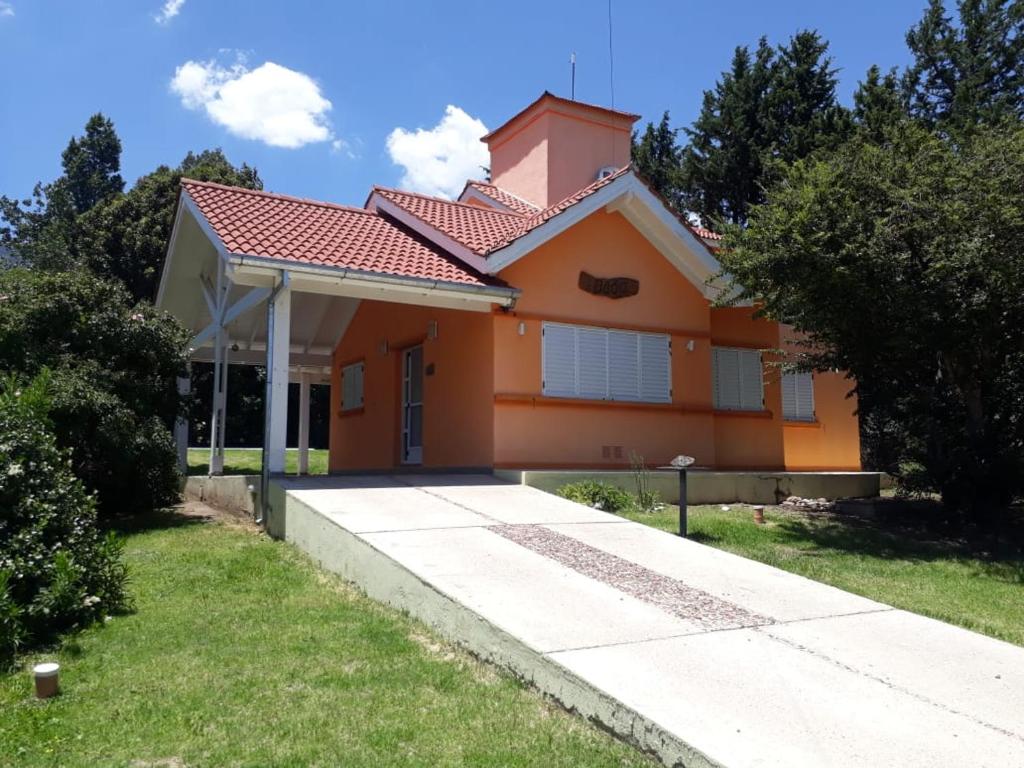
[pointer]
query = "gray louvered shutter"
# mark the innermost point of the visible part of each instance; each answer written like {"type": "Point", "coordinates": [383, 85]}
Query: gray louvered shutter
{"type": "Point", "coordinates": [559, 363]}
{"type": "Point", "coordinates": [592, 363]}
{"type": "Point", "coordinates": [751, 380]}
{"type": "Point", "coordinates": [655, 368]}
{"type": "Point", "coordinates": [623, 372]}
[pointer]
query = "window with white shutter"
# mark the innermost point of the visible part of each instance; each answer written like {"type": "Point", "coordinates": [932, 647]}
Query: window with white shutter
{"type": "Point", "coordinates": [798, 397]}
{"type": "Point", "coordinates": [352, 386]}
{"type": "Point", "coordinates": [736, 378]}
{"type": "Point", "coordinates": [606, 364]}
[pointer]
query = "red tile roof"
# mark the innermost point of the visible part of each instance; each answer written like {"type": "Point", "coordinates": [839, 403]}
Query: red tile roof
{"type": "Point", "coordinates": [484, 230]}
{"type": "Point", "coordinates": [479, 229]}
{"type": "Point", "coordinates": [504, 197]}
{"type": "Point", "coordinates": [306, 231]}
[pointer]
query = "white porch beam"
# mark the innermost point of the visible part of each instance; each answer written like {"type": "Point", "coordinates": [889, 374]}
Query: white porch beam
{"type": "Point", "coordinates": [279, 332]}
{"type": "Point", "coordinates": [304, 382]}
{"type": "Point", "coordinates": [223, 317]}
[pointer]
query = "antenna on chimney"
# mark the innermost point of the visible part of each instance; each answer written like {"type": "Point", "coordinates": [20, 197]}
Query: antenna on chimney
{"type": "Point", "coordinates": [572, 76]}
{"type": "Point", "coordinates": [611, 57]}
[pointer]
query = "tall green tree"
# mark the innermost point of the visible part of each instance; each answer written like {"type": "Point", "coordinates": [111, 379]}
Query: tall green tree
{"type": "Point", "coordinates": [968, 72]}
{"type": "Point", "coordinates": [722, 162]}
{"type": "Point", "coordinates": [803, 114]}
{"type": "Point", "coordinates": [903, 263]}
{"type": "Point", "coordinates": [772, 106]}
{"type": "Point", "coordinates": [656, 157]}
{"type": "Point", "coordinates": [43, 229]}
{"type": "Point", "coordinates": [126, 236]}
{"type": "Point", "coordinates": [92, 164]}
{"type": "Point", "coordinates": [878, 104]}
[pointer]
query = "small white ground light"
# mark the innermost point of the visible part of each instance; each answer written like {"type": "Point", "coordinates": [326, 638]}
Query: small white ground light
{"type": "Point", "coordinates": [47, 680]}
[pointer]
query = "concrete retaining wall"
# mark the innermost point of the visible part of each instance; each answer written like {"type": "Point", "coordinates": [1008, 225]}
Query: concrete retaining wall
{"type": "Point", "coordinates": [711, 487]}
{"type": "Point", "coordinates": [230, 492]}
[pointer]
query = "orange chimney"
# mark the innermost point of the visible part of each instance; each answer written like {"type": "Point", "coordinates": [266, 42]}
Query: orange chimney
{"type": "Point", "coordinates": [556, 146]}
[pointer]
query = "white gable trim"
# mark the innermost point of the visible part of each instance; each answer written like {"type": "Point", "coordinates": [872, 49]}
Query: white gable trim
{"type": "Point", "coordinates": [644, 210]}
{"type": "Point", "coordinates": [381, 204]}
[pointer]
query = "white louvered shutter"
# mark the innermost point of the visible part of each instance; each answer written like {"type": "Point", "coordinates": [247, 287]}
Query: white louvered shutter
{"type": "Point", "coordinates": [751, 380]}
{"type": "Point", "coordinates": [623, 372]}
{"type": "Point", "coordinates": [798, 396]}
{"type": "Point", "coordinates": [655, 368]}
{"type": "Point", "coordinates": [725, 378]}
{"type": "Point", "coordinates": [559, 364]}
{"type": "Point", "coordinates": [592, 363]}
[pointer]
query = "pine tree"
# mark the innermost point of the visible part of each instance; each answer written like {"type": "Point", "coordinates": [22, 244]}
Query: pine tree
{"type": "Point", "coordinates": [723, 161]}
{"type": "Point", "coordinates": [967, 73]}
{"type": "Point", "coordinates": [92, 164]}
{"type": "Point", "coordinates": [656, 159]}
{"type": "Point", "coordinates": [803, 114]}
{"type": "Point", "coordinates": [878, 104]}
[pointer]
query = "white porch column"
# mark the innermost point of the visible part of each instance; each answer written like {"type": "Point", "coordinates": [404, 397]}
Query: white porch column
{"type": "Point", "coordinates": [181, 427]}
{"type": "Point", "coordinates": [304, 380]}
{"type": "Point", "coordinates": [277, 379]}
{"type": "Point", "coordinates": [216, 426]}
{"type": "Point", "coordinates": [222, 419]}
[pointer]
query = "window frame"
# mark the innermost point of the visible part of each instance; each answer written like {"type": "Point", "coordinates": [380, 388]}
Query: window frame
{"type": "Point", "coordinates": [638, 373]}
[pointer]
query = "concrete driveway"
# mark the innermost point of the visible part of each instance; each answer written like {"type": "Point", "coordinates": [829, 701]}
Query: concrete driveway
{"type": "Point", "coordinates": [695, 655]}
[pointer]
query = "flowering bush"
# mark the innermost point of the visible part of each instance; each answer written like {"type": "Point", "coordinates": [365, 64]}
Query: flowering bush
{"type": "Point", "coordinates": [113, 390]}
{"type": "Point", "coordinates": [57, 570]}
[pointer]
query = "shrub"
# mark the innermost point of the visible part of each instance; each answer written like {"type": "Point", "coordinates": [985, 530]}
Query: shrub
{"type": "Point", "coordinates": [57, 570]}
{"type": "Point", "coordinates": [596, 494]}
{"type": "Point", "coordinates": [113, 379]}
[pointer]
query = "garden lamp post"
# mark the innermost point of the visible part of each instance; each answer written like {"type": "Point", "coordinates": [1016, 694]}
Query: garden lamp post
{"type": "Point", "coordinates": [680, 463]}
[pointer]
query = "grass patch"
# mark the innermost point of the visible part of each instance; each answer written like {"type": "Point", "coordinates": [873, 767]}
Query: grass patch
{"type": "Point", "coordinates": [241, 652]}
{"type": "Point", "coordinates": [246, 461]}
{"type": "Point", "coordinates": [959, 581]}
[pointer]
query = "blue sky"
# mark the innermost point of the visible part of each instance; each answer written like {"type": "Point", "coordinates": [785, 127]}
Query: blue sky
{"type": "Point", "coordinates": [310, 92]}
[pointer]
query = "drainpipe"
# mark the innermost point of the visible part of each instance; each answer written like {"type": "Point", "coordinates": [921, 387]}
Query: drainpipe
{"type": "Point", "coordinates": [264, 505]}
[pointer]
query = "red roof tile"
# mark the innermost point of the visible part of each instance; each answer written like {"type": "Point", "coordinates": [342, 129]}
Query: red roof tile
{"type": "Point", "coordinates": [504, 197]}
{"type": "Point", "coordinates": [290, 228]}
{"type": "Point", "coordinates": [479, 229]}
{"type": "Point", "coordinates": [707, 234]}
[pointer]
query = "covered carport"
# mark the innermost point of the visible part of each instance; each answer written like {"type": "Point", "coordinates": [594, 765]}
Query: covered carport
{"type": "Point", "coordinates": [265, 279]}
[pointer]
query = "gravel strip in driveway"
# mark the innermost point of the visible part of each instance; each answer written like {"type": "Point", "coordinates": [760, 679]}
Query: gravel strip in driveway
{"type": "Point", "coordinates": [668, 594]}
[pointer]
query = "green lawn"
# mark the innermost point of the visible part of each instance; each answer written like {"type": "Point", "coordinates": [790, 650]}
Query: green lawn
{"type": "Point", "coordinates": [948, 579]}
{"type": "Point", "coordinates": [246, 461]}
{"type": "Point", "coordinates": [242, 653]}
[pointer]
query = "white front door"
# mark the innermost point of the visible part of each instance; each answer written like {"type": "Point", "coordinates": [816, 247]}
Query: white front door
{"type": "Point", "coordinates": [412, 406]}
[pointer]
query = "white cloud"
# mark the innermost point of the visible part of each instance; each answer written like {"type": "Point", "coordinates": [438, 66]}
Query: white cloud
{"type": "Point", "coordinates": [439, 160]}
{"type": "Point", "coordinates": [272, 104]}
{"type": "Point", "coordinates": [170, 9]}
{"type": "Point", "coordinates": [6, 9]}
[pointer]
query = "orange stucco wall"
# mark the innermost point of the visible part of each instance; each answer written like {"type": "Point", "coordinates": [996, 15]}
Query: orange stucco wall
{"type": "Point", "coordinates": [550, 153]}
{"type": "Point", "coordinates": [536, 431]}
{"type": "Point", "coordinates": [458, 401]}
{"type": "Point", "coordinates": [484, 406]}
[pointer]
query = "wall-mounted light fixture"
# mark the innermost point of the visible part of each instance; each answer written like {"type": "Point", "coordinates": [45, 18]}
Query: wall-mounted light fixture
{"type": "Point", "coordinates": [689, 345]}
{"type": "Point", "coordinates": [384, 347]}
{"type": "Point", "coordinates": [432, 329]}
{"type": "Point", "coordinates": [522, 328]}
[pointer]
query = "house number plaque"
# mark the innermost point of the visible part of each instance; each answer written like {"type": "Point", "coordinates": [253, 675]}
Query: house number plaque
{"type": "Point", "coordinates": [611, 287]}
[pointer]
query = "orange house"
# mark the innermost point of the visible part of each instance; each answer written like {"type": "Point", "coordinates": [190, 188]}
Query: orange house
{"type": "Point", "coordinates": [557, 316]}
{"type": "Point", "coordinates": [612, 346]}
